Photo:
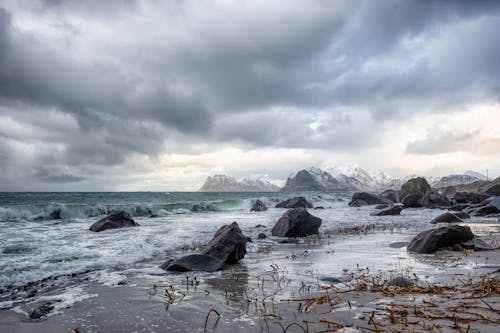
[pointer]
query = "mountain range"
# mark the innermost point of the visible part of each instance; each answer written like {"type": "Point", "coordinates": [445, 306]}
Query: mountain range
{"type": "Point", "coordinates": [337, 178]}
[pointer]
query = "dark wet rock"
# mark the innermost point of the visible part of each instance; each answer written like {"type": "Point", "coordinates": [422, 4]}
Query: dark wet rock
{"type": "Point", "coordinates": [358, 203]}
{"type": "Point", "coordinates": [439, 200]}
{"type": "Point", "coordinates": [198, 208]}
{"type": "Point", "coordinates": [194, 262]}
{"type": "Point", "coordinates": [319, 207]}
{"type": "Point", "coordinates": [391, 195]}
{"type": "Point", "coordinates": [42, 311]}
{"type": "Point", "coordinates": [484, 211]}
{"type": "Point", "coordinates": [470, 197]}
{"type": "Point", "coordinates": [477, 244]}
{"type": "Point", "coordinates": [249, 240]}
{"type": "Point", "coordinates": [258, 206]}
{"type": "Point", "coordinates": [331, 279]}
{"type": "Point", "coordinates": [296, 222]}
{"type": "Point", "coordinates": [228, 244]}
{"type": "Point", "coordinates": [297, 202]}
{"type": "Point", "coordinates": [260, 226]}
{"type": "Point", "coordinates": [432, 240]}
{"type": "Point", "coordinates": [401, 281]}
{"type": "Point", "coordinates": [447, 218]}
{"type": "Point", "coordinates": [289, 241]}
{"type": "Point", "coordinates": [398, 245]}
{"type": "Point", "coordinates": [369, 198]}
{"type": "Point", "coordinates": [261, 235]}
{"type": "Point", "coordinates": [416, 192]}
{"type": "Point", "coordinates": [449, 191]}
{"type": "Point", "coordinates": [462, 215]}
{"type": "Point", "coordinates": [383, 206]}
{"type": "Point", "coordinates": [115, 220]}
{"type": "Point", "coordinates": [490, 206]}
{"type": "Point", "coordinates": [493, 190]}
{"type": "Point", "coordinates": [456, 247]}
{"type": "Point", "coordinates": [393, 210]}
{"type": "Point", "coordinates": [459, 206]}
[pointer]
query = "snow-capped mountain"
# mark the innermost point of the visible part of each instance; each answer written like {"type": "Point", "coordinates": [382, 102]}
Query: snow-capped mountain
{"type": "Point", "coordinates": [476, 174]}
{"type": "Point", "coordinates": [313, 179]}
{"type": "Point", "coordinates": [454, 180]}
{"type": "Point", "coordinates": [223, 183]}
{"type": "Point", "coordinates": [355, 176]}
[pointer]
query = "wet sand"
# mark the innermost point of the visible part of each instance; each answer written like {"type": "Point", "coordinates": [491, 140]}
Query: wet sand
{"type": "Point", "coordinates": [293, 288]}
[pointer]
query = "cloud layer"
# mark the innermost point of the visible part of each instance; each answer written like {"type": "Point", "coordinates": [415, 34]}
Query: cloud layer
{"type": "Point", "coordinates": [87, 89]}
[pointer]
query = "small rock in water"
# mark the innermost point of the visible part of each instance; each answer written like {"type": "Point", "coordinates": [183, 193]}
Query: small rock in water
{"type": "Point", "coordinates": [115, 220]}
{"type": "Point", "coordinates": [330, 279]}
{"type": "Point", "coordinates": [42, 311]}
{"type": "Point", "coordinates": [393, 210]}
{"type": "Point", "coordinates": [260, 226]}
{"type": "Point", "coordinates": [289, 241]}
{"type": "Point", "coordinates": [261, 236]}
{"type": "Point", "coordinates": [258, 206]}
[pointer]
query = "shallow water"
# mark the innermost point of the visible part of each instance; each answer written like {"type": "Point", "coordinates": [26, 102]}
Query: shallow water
{"type": "Point", "coordinates": [36, 246]}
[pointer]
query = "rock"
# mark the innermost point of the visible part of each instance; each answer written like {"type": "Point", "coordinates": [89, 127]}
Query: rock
{"type": "Point", "coordinates": [228, 244]}
{"type": "Point", "coordinates": [478, 244]}
{"type": "Point", "coordinates": [391, 195]}
{"type": "Point", "coordinates": [439, 200]}
{"type": "Point", "coordinates": [369, 198]}
{"type": "Point", "coordinates": [470, 197]}
{"type": "Point", "coordinates": [194, 262]}
{"type": "Point", "coordinates": [358, 203]}
{"type": "Point", "coordinates": [393, 210]}
{"type": "Point", "coordinates": [297, 202]}
{"type": "Point", "coordinates": [296, 222]}
{"type": "Point", "coordinates": [449, 191]}
{"type": "Point", "coordinates": [416, 192]}
{"type": "Point", "coordinates": [289, 241]}
{"type": "Point", "coordinates": [462, 215]}
{"type": "Point", "coordinates": [249, 240]}
{"type": "Point", "coordinates": [42, 311]}
{"type": "Point", "coordinates": [319, 207]}
{"type": "Point", "coordinates": [382, 206]}
{"type": "Point", "coordinates": [197, 208]}
{"type": "Point", "coordinates": [261, 235]}
{"type": "Point", "coordinates": [401, 281]}
{"type": "Point", "coordinates": [115, 220]}
{"type": "Point", "coordinates": [486, 207]}
{"type": "Point", "coordinates": [432, 240]}
{"type": "Point", "coordinates": [331, 279]}
{"type": "Point", "coordinates": [493, 190]}
{"type": "Point", "coordinates": [447, 218]}
{"type": "Point", "coordinates": [459, 207]}
{"type": "Point", "coordinates": [259, 226]}
{"type": "Point", "coordinates": [258, 206]}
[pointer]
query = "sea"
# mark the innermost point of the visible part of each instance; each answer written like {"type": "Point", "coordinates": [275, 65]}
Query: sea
{"type": "Point", "coordinates": [46, 235]}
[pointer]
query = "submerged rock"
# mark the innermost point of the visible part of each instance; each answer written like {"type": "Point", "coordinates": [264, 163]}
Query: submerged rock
{"type": "Point", "coordinates": [42, 311]}
{"type": "Point", "coordinates": [432, 240]}
{"type": "Point", "coordinates": [197, 208]}
{"type": "Point", "coordinates": [393, 210]}
{"type": "Point", "coordinates": [369, 198]}
{"type": "Point", "coordinates": [447, 218]}
{"type": "Point", "coordinates": [115, 220]}
{"type": "Point", "coordinates": [296, 222]}
{"type": "Point", "coordinates": [228, 244]}
{"type": "Point", "coordinates": [258, 206]}
{"type": "Point", "coordinates": [194, 262]}
{"type": "Point", "coordinates": [297, 202]}
{"type": "Point", "coordinates": [416, 192]}
{"type": "Point", "coordinates": [261, 235]}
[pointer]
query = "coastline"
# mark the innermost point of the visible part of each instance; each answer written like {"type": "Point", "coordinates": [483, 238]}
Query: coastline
{"type": "Point", "coordinates": [273, 285]}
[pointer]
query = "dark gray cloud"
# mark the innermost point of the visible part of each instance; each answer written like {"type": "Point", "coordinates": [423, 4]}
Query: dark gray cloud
{"type": "Point", "coordinates": [95, 82]}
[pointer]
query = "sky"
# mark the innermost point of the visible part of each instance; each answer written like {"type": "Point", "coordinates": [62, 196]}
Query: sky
{"type": "Point", "coordinates": [158, 95]}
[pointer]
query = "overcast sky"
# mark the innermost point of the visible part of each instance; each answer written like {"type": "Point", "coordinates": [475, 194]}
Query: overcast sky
{"type": "Point", "coordinates": [157, 95]}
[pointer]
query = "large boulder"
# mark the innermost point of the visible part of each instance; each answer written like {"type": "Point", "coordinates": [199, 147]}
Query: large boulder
{"type": "Point", "coordinates": [369, 198]}
{"type": "Point", "coordinates": [493, 190]}
{"type": "Point", "coordinates": [470, 197]}
{"type": "Point", "coordinates": [416, 192]}
{"type": "Point", "coordinates": [258, 206]}
{"type": "Point", "coordinates": [393, 210]}
{"type": "Point", "coordinates": [193, 262]}
{"type": "Point", "coordinates": [432, 240]}
{"type": "Point", "coordinates": [228, 244]}
{"type": "Point", "coordinates": [297, 202]}
{"type": "Point", "coordinates": [296, 222]}
{"type": "Point", "coordinates": [115, 220]}
{"type": "Point", "coordinates": [447, 218]}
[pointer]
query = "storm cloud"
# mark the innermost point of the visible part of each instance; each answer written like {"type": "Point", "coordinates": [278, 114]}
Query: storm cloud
{"type": "Point", "coordinates": [86, 87]}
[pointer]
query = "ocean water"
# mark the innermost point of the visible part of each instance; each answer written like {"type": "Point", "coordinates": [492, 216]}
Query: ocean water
{"type": "Point", "coordinates": [45, 235]}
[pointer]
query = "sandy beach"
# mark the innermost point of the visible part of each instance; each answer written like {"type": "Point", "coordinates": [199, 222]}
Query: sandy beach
{"type": "Point", "coordinates": [337, 281]}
